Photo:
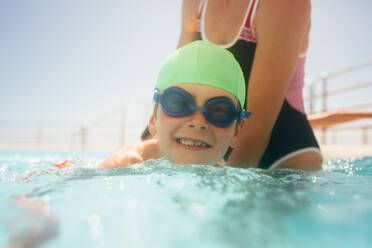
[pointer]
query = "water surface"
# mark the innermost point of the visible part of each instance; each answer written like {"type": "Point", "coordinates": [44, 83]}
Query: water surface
{"type": "Point", "coordinates": [159, 204]}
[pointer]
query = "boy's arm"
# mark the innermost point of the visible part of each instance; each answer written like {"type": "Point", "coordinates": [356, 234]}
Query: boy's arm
{"type": "Point", "coordinates": [137, 153]}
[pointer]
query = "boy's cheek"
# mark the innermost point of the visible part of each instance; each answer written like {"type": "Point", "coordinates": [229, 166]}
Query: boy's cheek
{"type": "Point", "coordinates": [164, 120]}
{"type": "Point", "coordinates": [226, 136]}
{"type": "Point", "coordinates": [159, 121]}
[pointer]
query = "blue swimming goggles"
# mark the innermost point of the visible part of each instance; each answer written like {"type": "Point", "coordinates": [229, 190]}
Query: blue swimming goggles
{"type": "Point", "coordinates": [219, 111]}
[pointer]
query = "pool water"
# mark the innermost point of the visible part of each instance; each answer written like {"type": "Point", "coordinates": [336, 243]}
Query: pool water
{"type": "Point", "coordinates": [159, 204]}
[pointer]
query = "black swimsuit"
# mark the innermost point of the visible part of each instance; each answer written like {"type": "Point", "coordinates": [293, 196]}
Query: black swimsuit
{"type": "Point", "coordinates": [292, 133]}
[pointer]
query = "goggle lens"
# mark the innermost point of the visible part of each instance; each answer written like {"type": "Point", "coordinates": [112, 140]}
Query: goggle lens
{"type": "Point", "coordinates": [175, 103]}
{"type": "Point", "coordinates": [220, 113]}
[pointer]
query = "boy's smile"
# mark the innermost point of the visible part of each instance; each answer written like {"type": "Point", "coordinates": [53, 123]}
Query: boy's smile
{"type": "Point", "coordinates": [191, 143]}
{"type": "Point", "coordinates": [192, 139]}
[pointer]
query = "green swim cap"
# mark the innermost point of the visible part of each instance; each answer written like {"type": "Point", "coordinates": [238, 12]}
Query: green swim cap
{"type": "Point", "coordinates": [204, 63]}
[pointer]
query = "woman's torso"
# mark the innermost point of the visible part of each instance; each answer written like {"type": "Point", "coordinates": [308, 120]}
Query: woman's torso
{"type": "Point", "coordinates": [232, 26]}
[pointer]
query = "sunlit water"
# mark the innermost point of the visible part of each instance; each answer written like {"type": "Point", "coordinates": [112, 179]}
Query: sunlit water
{"type": "Point", "coordinates": [158, 204]}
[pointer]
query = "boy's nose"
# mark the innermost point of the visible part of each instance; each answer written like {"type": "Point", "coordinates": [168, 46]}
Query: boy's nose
{"type": "Point", "coordinates": [198, 121]}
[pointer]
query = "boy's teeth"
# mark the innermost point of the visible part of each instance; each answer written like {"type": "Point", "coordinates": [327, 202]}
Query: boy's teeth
{"type": "Point", "coordinates": [196, 143]}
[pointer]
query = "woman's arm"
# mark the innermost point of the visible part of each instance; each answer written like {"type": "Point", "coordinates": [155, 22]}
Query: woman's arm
{"type": "Point", "coordinates": [331, 118]}
{"type": "Point", "coordinates": [189, 22]}
{"type": "Point", "coordinates": [132, 155]}
{"type": "Point", "coordinates": [281, 29]}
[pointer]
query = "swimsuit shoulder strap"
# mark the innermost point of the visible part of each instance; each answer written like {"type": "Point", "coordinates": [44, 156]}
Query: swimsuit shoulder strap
{"type": "Point", "coordinates": [251, 12]}
{"type": "Point", "coordinates": [200, 9]}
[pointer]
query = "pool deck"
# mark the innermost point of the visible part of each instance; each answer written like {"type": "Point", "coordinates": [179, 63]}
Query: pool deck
{"type": "Point", "coordinates": [346, 151]}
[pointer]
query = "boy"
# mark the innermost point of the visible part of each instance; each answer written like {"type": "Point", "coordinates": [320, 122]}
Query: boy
{"type": "Point", "coordinates": [199, 94]}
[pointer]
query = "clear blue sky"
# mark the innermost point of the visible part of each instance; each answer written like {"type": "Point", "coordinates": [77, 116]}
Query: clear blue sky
{"type": "Point", "coordinates": [79, 59]}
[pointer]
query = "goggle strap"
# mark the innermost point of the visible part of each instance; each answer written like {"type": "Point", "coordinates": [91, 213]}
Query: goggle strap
{"type": "Point", "coordinates": [244, 114]}
{"type": "Point", "coordinates": [156, 96]}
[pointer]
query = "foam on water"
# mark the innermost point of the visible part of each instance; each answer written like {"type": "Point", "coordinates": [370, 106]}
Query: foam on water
{"type": "Point", "coordinates": [159, 204]}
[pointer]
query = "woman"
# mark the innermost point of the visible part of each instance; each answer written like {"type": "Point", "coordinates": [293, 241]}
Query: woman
{"type": "Point", "coordinates": [269, 38]}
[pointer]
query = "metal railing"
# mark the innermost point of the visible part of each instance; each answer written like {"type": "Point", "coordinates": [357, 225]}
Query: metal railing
{"type": "Point", "coordinates": [324, 81]}
{"type": "Point", "coordinates": [110, 131]}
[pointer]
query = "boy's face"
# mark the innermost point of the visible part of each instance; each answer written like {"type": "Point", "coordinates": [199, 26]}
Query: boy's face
{"type": "Point", "coordinates": [192, 139]}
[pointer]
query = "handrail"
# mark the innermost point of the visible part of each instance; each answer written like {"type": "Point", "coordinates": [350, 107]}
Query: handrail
{"type": "Point", "coordinates": [36, 122]}
{"type": "Point", "coordinates": [102, 118]}
{"type": "Point", "coordinates": [342, 71]}
{"type": "Point", "coordinates": [51, 123]}
{"type": "Point", "coordinates": [342, 90]}
{"type": "Point", "coordinates": [358, 106]}
{"type": "Point", "coordinates": [324, 78]}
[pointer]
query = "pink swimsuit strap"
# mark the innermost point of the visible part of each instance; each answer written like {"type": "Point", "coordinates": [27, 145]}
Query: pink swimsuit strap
{"type": "Point", "coordinates": [246, 32]}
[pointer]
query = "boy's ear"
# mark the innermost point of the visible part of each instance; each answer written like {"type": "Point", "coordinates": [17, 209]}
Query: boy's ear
{"type": "Point", "coordinates": [238, 128]}
{"type": "Point", "coordinates": [152, 124]}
